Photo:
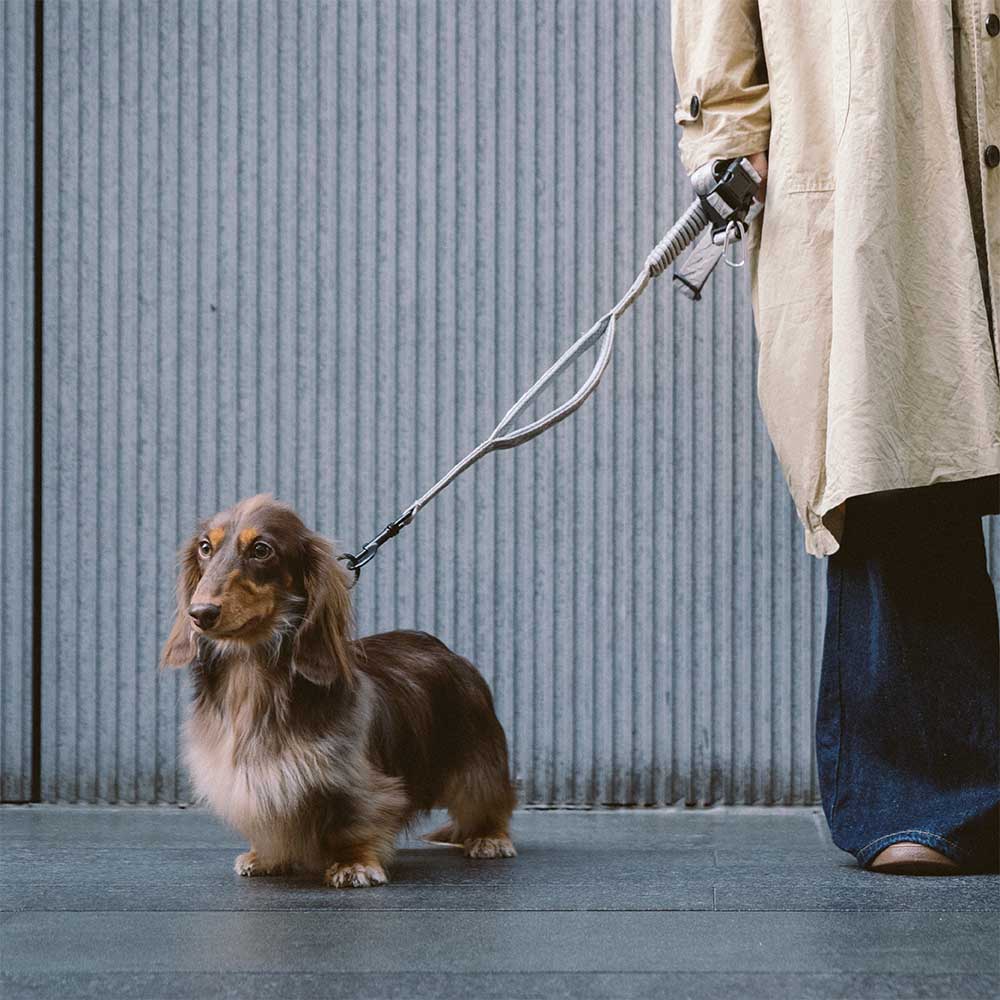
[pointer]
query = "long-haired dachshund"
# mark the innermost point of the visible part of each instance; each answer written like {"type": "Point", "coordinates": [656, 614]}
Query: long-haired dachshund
{"type": "Point", "coordinates": [318, 747]}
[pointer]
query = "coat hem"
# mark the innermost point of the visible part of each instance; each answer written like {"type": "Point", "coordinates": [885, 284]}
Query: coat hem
{"type": "Point", "coordinates": [824, 523]}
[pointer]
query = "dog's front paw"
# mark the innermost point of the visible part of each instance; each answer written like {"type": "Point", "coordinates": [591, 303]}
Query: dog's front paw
{"type": "Point", "coordinates": [249, 864]}
{"type": "Point", "coordinates": [489, 847]}
{"type": "Point", "coordinates": [355, 876]}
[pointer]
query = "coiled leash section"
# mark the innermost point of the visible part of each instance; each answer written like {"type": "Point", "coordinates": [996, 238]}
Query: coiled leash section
{"type": "Point", "coordinates": [725, 192]}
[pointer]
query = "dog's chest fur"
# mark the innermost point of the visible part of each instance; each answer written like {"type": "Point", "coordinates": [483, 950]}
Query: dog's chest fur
{"type": "Point", "coordinates": [252, 770]}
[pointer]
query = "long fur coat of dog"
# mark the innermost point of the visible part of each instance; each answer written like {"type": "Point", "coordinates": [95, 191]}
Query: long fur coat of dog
{"type": "Point", "coordinates": [319, 748]}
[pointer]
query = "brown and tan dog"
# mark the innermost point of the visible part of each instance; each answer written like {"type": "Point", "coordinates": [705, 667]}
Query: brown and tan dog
{"type": "Point", "coordinates": [317, 747]}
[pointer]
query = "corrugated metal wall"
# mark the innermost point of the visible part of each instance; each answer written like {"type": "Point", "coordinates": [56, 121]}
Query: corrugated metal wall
{"type": "Point", "coordinates": [314, 249]}
{"type": "Point", "coordinates": [17, 113]}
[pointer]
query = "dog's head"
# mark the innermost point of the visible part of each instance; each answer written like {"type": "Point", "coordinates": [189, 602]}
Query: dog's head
{"type": "Point", "coordinates": [254, 574]}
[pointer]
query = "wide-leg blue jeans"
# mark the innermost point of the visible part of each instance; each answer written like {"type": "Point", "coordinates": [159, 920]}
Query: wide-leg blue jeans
{"type": "Point", "coordinates": [907, 735]}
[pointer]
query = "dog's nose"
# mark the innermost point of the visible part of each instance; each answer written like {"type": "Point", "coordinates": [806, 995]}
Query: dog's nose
{"type": "Point", "coordinates": [205, 615]}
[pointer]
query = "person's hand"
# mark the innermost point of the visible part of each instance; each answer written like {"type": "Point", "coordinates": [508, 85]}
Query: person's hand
{"type": "Point", "coordinates": [759, 162]}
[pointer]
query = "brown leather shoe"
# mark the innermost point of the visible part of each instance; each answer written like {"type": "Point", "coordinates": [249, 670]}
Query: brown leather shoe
{"type": "Point", "coordinates": [906, 858]}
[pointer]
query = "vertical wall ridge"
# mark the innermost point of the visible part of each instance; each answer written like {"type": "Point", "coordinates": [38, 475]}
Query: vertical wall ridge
{"type": "Point", "coordinates": [20, 243]}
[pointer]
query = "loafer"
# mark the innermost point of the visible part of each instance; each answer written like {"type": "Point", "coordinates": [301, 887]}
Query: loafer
{"type": "Point", "coordinates": [906, 858]}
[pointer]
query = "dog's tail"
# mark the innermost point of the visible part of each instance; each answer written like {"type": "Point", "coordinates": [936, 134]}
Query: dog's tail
{"type": "Point", "coordinates": [443, 836]}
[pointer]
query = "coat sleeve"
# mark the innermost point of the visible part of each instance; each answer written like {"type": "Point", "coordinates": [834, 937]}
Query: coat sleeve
{"type": "Point", "coordinates": [724, 107]}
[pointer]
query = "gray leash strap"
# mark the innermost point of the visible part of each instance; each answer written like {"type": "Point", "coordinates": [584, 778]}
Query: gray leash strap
{"type": "Point", "coordinates": [713, 183]}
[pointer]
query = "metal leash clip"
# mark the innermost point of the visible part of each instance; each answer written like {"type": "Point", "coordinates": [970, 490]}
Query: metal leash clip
{"type": "Point", "coordinates": [729, 240]}
{"type": "Point", "coordinates": [369, 550]}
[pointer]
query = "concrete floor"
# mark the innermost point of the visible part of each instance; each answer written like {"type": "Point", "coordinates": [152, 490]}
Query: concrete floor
{"type": "Point", "coordinates": [143, 902]}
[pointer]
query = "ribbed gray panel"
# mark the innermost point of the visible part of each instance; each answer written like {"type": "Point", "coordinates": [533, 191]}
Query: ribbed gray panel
{"type": "Point", "coordinates": [316, 249]}
{"type": "Point", "coordinates": [17, 113]}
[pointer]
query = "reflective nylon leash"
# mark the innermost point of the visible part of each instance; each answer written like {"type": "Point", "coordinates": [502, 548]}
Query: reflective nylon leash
{"type": "Point", "coordinates": [725, 192]}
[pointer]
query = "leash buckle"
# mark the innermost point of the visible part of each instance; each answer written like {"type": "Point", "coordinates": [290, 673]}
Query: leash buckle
{"type": "Point", "coordinates": [370, 549]}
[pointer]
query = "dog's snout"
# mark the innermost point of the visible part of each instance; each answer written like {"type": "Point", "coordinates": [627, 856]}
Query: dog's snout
{"type": "Point", "coordinates": [205, 615]}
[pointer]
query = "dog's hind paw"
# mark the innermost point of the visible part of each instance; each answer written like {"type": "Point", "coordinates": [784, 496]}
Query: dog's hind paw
{"type": "Point", "coordinates": [249, 864]}
{"type": "Point", "coordinates": [489, 847]}
{"type": "Point", "coordinates": [355, 876]}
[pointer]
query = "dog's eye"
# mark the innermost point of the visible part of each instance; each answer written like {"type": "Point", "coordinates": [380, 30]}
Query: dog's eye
{"type": "Point", "coordinates": [261, 550]}
{"type": "Point", "coordinates": [205, 547]}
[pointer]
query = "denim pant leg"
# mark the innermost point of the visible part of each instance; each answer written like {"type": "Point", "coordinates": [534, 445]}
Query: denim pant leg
{"type": "Point", "coordinates": [907, 732]}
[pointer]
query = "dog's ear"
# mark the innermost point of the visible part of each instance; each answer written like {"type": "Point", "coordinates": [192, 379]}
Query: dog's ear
{"type": "Point", "coordinates": [180, 648]}
{"type": "Point", "coordinates": [322, 651]}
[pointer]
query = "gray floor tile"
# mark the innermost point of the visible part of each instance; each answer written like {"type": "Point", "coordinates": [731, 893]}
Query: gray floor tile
{"type": "Point", "coordinates": [162, 827]}
{"type": "Point", "coordinates": [500, 986]}
{"type": "Point", "coordinates": [458, 941]}
{"type": "Point", "coordinates": [128, 902]}
{"type": "Point", "coordinates": [844, 886]}
{"type": "Point", "coordinates": [544, 876]}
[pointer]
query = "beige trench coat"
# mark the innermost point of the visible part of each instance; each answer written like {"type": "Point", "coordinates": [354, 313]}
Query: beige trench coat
{"type": "Point", "coordinates": [875, 267]}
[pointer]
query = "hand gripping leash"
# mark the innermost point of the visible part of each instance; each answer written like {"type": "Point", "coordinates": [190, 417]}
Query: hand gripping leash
{"type": "Point", "coordinates": [725, 192]}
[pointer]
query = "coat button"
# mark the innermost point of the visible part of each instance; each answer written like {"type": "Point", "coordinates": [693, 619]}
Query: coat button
{"type": "Point", "coordinates": [991, 156]}
{"type": "Point", "coordinates": [992, 25]}
{"type": "Point", "coordinates": [695, 106]}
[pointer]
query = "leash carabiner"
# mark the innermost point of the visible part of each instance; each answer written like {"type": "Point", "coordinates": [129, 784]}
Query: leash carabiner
{"type": "Point", "coordinates": [738, 226]}
{"type": "Point", "coordinates": [352, 567]}
{"type": "Point", "coordinates": [369, 550]}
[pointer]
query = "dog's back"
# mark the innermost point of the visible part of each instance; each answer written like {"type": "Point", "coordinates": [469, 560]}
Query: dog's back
{"type": "Point", "coordinates": [434, 724]}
